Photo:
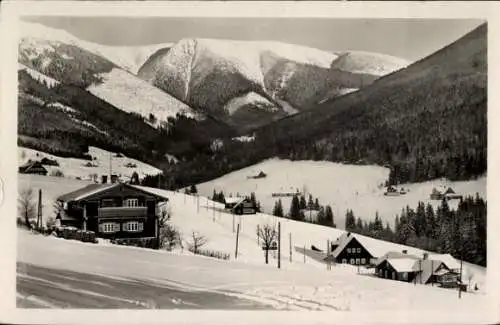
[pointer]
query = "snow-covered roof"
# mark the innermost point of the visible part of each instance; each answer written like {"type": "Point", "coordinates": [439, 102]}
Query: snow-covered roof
{"type": "Point", "coordinates": [231, 200]}
{"type": "Point", "coordinates": [375, 247]}
{"type": "Point", "coordinates": [447, 259]}
{"type": "Point", "coordinates": [402, 264]}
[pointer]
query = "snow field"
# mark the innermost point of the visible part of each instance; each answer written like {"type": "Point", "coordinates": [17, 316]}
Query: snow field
{"type": "Point", "coordinates": [341, 186]}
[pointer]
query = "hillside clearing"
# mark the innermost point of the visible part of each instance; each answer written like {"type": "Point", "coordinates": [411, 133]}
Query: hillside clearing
{"type": "Point", "coordinates": [341, 186]}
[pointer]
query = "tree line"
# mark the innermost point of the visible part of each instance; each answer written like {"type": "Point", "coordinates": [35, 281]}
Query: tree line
{"type": "Point", "coordinates": [299, 207]}
{"type": "Point", "coordinates": [460, 232]}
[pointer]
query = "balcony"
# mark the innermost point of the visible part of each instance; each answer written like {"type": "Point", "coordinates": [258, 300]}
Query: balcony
{"type": "Point", "coordinates": [113, 212]}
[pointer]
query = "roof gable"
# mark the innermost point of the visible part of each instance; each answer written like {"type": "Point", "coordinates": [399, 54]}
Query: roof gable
{"type": "Point", "coordinates": [402, 264]}
{"type": "Point", "coordinates": [91, 190]}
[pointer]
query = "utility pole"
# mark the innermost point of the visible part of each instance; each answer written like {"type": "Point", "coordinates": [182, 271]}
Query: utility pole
{"type": "Point", "coordinates": [237, 237]}
{"type": "Point", "coordinates": [197, 204]}
{"type": "Point", "coordinates": [290, 241]}
{"type": "Point", "coordinates": [304, 254]}
{"type": "Point", "coordinates": [279, 245]}
{"type": "Point", "coordinates": [39, 215]}
{"type": "Point", "coordinates": [213, 209]}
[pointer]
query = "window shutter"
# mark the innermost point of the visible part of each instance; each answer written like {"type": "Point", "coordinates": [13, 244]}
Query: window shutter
{"type": "Point", "coordinates": [140, 226]}
{"type": "Point", "coordinates": [101, 227]}
{"type": "Point", "coordinates": [116, 227]}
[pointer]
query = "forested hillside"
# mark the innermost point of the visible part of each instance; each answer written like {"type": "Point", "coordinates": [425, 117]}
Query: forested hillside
{"type": "Point", "coordinates": [424, 122]}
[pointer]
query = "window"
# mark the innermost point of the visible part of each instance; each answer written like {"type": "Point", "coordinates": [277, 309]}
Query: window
{"type": "Point", "coordinates": [348, 250]}
{"type": "Point", "coordinates": [358, 249]}
{"type": "Point", "coordinates": [131, 202]}
{"type": "Point", "coordinates": [133, 226]}
{"type": "Point", "coordinates": [109, 227]}
{"type": "Point", "coordinates": [352, 261]}
{"type": "Point", "coordinates": [344, 261]}
{"type": "Point", "coordinates": [363, 261]}
{"type": "Point", "coordinates": [357, 261]}
{"type": "Point", "coordinates": [405, 276]}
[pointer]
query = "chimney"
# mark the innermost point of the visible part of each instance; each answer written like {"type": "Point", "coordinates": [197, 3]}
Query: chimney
{"type": "Point", "coordinates": [104, 179]}
{"type": "Point", "coordinates": [405, 251]}
{"type": "Point", "coordinates": [426, 255]}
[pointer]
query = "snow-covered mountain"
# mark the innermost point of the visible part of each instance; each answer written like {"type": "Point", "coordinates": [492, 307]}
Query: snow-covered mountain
{"type": "Point", "coordinates": [223, 77]}
{"type": "Point", "coordinates": [99, 69]}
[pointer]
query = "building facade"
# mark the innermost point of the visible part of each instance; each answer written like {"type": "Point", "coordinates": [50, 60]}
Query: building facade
{"type": "Point", "coordinates": [111, 210]}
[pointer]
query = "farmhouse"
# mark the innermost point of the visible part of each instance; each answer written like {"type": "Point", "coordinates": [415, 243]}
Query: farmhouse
{"type": "Point", "coordinates": [403, 267]}
{"type": "Point", "coordinates": [33, 167]}
{"type": "Point", "coordinates": [113, 210]}
{"type": "Point", "coordinates": [441, 192]}
{"type": "Point", "coordinates": [348, 248]}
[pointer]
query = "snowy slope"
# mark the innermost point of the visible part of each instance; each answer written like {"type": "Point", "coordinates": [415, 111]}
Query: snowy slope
{"type": "Point", "coordinates": [341, 186]}
{"type": "Point", "coordinates": [223, 75]}
{"type": "Point", "coordinates": [368, 62]}
{"type": "Point", "coordinates": [59, 54]}
{"type": "Point", "coordinates": [298, 285]}
{"type": "Point", "coordinates": [131, 94]}
{"type": "Point", "coordinates": [74, 167]}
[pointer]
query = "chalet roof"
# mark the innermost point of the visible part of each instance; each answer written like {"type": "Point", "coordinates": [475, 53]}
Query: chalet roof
{"type": "Point", "coordinates": [394, 255]}
{"type": "Point", "coordinates": [85, 191]}
{"type": "Point", "coordinates": [447, 259]}
{"type": "Point", "coordinates": [443, 189]}
{"type": "Point", "coordinates": [232, 200]}
{"type": "Point", "coordinates": [32, 164]}
{"type": "Point", "coordinates": [376, 248]}
{"type": "Point", "coordinates": [93, 189]}
{"type": "Point", "coordinates": [402, 264]}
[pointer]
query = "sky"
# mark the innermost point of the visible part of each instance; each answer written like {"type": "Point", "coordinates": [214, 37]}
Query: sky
{"type": "Point", "coordinates": [411, 39]}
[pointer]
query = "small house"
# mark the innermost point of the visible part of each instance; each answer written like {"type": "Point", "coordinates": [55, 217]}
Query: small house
{"type": "Point", "coordinates": [244, 206]}
{"type": "Point", "coordinates": [111, 210]}
{"type": "Point", "coordinates": [230, 202]}
{"type": "Point", "coordinates": [33, 167]}
{"type": "Point", "coordinates": [348, 249]}
{"type": "Point", "coordinates": [400, 269]}
{"type": "Point", "coordinates": [441, 192]}
{"type": "Point", "coordinates": [391, 191]}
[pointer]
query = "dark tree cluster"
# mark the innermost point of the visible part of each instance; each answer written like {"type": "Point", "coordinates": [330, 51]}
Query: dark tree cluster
{"type": "Point", "coordinates": [461, 232]}
{"type": "Point", "coordinates": [299, 206]}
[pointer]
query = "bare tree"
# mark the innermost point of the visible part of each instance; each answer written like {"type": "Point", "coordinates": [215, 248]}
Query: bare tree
{"type": "Point", "coordinates": [197, 241]}
{"type": "Point", "coordinates": [26, 205]}
{"type": "Point", "coordinates": [268, 236]}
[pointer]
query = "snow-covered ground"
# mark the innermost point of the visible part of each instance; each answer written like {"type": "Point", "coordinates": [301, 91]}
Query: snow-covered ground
{"type": "Point", "coordinates": [341, 186]}
{"type": "Point", "coordinates": [131, 94]}
{"type": "Point", "coordinates": [190, 213]}
{"type": "Point", "coordinates": [74, 167]}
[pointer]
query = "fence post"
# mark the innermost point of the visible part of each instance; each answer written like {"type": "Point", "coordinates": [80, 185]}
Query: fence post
{"type": "Point", "coordinates": [290, 240]}
{"type": "Point", "coordinates": [237, 236]}
{"type": "Point", "coordinates": [279, 245]}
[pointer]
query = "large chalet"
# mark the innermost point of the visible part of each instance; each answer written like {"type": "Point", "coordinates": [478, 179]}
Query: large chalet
{"type": "Point", "coordinates": [112, 210]}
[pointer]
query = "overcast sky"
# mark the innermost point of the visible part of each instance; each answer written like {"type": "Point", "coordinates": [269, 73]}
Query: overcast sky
{"type": "Point", "coordinates": [409, 39]}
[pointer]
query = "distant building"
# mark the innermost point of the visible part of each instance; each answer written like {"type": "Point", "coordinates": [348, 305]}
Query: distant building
{"type": "Point", "coordinates": [441, 192]}
{"type": "Point", "coordinates": [245, 206]}
{"type": "Point", "coordinates": [112, 210]}
{"type": "Point", "coordinates": [230, 202]}
{"type": "Point", "coordinates": [310, 215]}
{"type": "Point", "coordinates": [33, 167]}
